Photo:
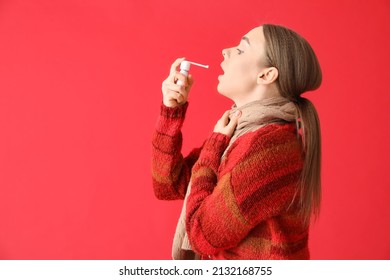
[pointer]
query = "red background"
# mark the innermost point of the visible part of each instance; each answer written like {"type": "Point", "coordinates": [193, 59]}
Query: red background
{"type": "Point", "coordinates": [80, 89]}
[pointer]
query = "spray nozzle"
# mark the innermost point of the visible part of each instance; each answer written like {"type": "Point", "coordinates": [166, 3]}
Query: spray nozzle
{"type": "Point", "coordinates": [185, 67]}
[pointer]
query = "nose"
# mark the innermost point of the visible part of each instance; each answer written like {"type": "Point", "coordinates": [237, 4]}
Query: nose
{"type": "Point", "coordinates": [224, 53]}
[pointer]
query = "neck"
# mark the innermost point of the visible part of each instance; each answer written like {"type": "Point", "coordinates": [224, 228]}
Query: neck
{"type": "Point", "coordinates": [257, 95]}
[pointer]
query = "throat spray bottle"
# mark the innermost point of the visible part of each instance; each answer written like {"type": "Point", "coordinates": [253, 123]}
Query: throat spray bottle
{"type": "Point", "coordinates": [185, 68]}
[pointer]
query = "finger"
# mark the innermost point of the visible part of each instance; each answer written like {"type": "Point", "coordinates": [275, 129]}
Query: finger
{"type": "Point", "coordinates": [180, 98]}
{"type": "Point", "coordinates": [176, 92]}
{"type": "Point", "coordinates": [225, 118]}
{"type": "Point", "coordinates": [177, 78]}
{"type": "Point", "coordinates": [180, 79]}
{"type": "Point", "coordinates": [176, 64]}
{"type": "Point", "coordinates": [175, 96]}
{"type": "Point", "coordinates": [225, 115]}
{"type": "Point", "coordinates": [176, 88]}
{"type": "Point", "coordinates": [234, 120]}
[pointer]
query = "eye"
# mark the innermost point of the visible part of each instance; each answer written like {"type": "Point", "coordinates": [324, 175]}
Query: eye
{"type": "Point", "coordinates": [240, 51]}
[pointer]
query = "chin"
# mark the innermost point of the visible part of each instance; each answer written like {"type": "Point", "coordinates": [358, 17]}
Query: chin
{"type": "Point", "coordinates": [223, 87]}
{"type": "Point", "coordinates": [220, 90]}
{"type": "Point", "coordinates": [219, 87]}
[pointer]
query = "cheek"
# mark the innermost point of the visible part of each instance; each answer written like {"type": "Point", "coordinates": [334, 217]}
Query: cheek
{"type": "Point", "coordinates": [241, 68]}
{"type": "Point", "coordinates": [248, 67]}
{"type": "Point", "coordinates": [244, 68]}
{"type": "Point", "coordinates": [245, 73]}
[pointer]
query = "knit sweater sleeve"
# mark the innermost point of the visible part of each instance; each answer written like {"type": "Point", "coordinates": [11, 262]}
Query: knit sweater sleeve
{"type": "Point", "coordinates": [255, 182]}
{"type": "Point", "coordinates": [170, 170]}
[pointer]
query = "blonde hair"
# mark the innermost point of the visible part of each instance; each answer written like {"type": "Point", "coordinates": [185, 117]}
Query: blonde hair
{"type": "Point", "coordinates": [299, 71]}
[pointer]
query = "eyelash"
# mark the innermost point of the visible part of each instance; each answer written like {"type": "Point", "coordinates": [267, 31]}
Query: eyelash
{"type": "Point", "coordinates": [240, 51]}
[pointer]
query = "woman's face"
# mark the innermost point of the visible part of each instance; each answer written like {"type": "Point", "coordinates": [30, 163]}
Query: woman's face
{"type": "Point", "coordinates": [242, 65]}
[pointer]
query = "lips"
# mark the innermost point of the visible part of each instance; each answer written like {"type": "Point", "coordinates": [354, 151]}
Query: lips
{"type": "Point", "coordinates": [222, 70]}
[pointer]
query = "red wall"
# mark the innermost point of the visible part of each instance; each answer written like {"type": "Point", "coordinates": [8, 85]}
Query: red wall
{"type": "Point", "coordinates": [80, 89]}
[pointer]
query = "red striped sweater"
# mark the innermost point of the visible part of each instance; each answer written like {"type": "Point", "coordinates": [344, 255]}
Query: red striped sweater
{"type": "Point", "coordinates": [239, 208]}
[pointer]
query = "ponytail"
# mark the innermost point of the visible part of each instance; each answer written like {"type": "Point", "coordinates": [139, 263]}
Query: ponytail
{"type": "Point", "coordinates": [309, 185]}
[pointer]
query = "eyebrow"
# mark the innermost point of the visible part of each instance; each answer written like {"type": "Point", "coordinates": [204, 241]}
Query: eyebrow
{"type": "Point", "coordinates": [246, 40]}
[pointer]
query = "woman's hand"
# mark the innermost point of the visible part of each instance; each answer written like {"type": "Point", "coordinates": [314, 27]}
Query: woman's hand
{"type": "Point", "coordinates": [227, 126]}
{"type": "Point", "coordinates": [174, 94]}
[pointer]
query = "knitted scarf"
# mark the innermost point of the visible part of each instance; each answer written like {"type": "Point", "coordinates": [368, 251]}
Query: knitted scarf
{"type": "Point", "coordinates": [254, 115]}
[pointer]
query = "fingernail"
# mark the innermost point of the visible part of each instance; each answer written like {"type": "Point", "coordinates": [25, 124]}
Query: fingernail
{"type": "Point", "coordinates": [238, 113]}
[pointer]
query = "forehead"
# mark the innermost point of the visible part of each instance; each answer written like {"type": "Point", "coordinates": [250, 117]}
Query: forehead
{"type": "Point", "coordinates": [256, 36]}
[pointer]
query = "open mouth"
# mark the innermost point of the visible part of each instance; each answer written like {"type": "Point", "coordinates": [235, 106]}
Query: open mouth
{"type": "Point", "coordinates": [223, 71]}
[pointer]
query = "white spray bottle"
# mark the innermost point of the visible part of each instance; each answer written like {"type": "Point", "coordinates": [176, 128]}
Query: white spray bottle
{"type": "Point", "coordinates": [185, 68]}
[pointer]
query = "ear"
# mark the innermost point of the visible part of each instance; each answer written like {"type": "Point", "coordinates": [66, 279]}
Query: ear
{"type": "Point", "coordinates": [268, 76]}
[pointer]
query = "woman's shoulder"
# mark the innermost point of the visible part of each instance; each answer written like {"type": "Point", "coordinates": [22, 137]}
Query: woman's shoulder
{"type": "Point", "coordinates": [266, 141]}
{"type": "Point", "coordinates": [269, 135]}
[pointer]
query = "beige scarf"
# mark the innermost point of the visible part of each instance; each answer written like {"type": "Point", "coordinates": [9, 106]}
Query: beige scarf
{"type": "Point", "coordinates": [253, 116]}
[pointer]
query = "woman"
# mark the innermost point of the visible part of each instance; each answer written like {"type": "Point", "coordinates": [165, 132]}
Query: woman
{"type": "Point", "coordinates": [252, 188]}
